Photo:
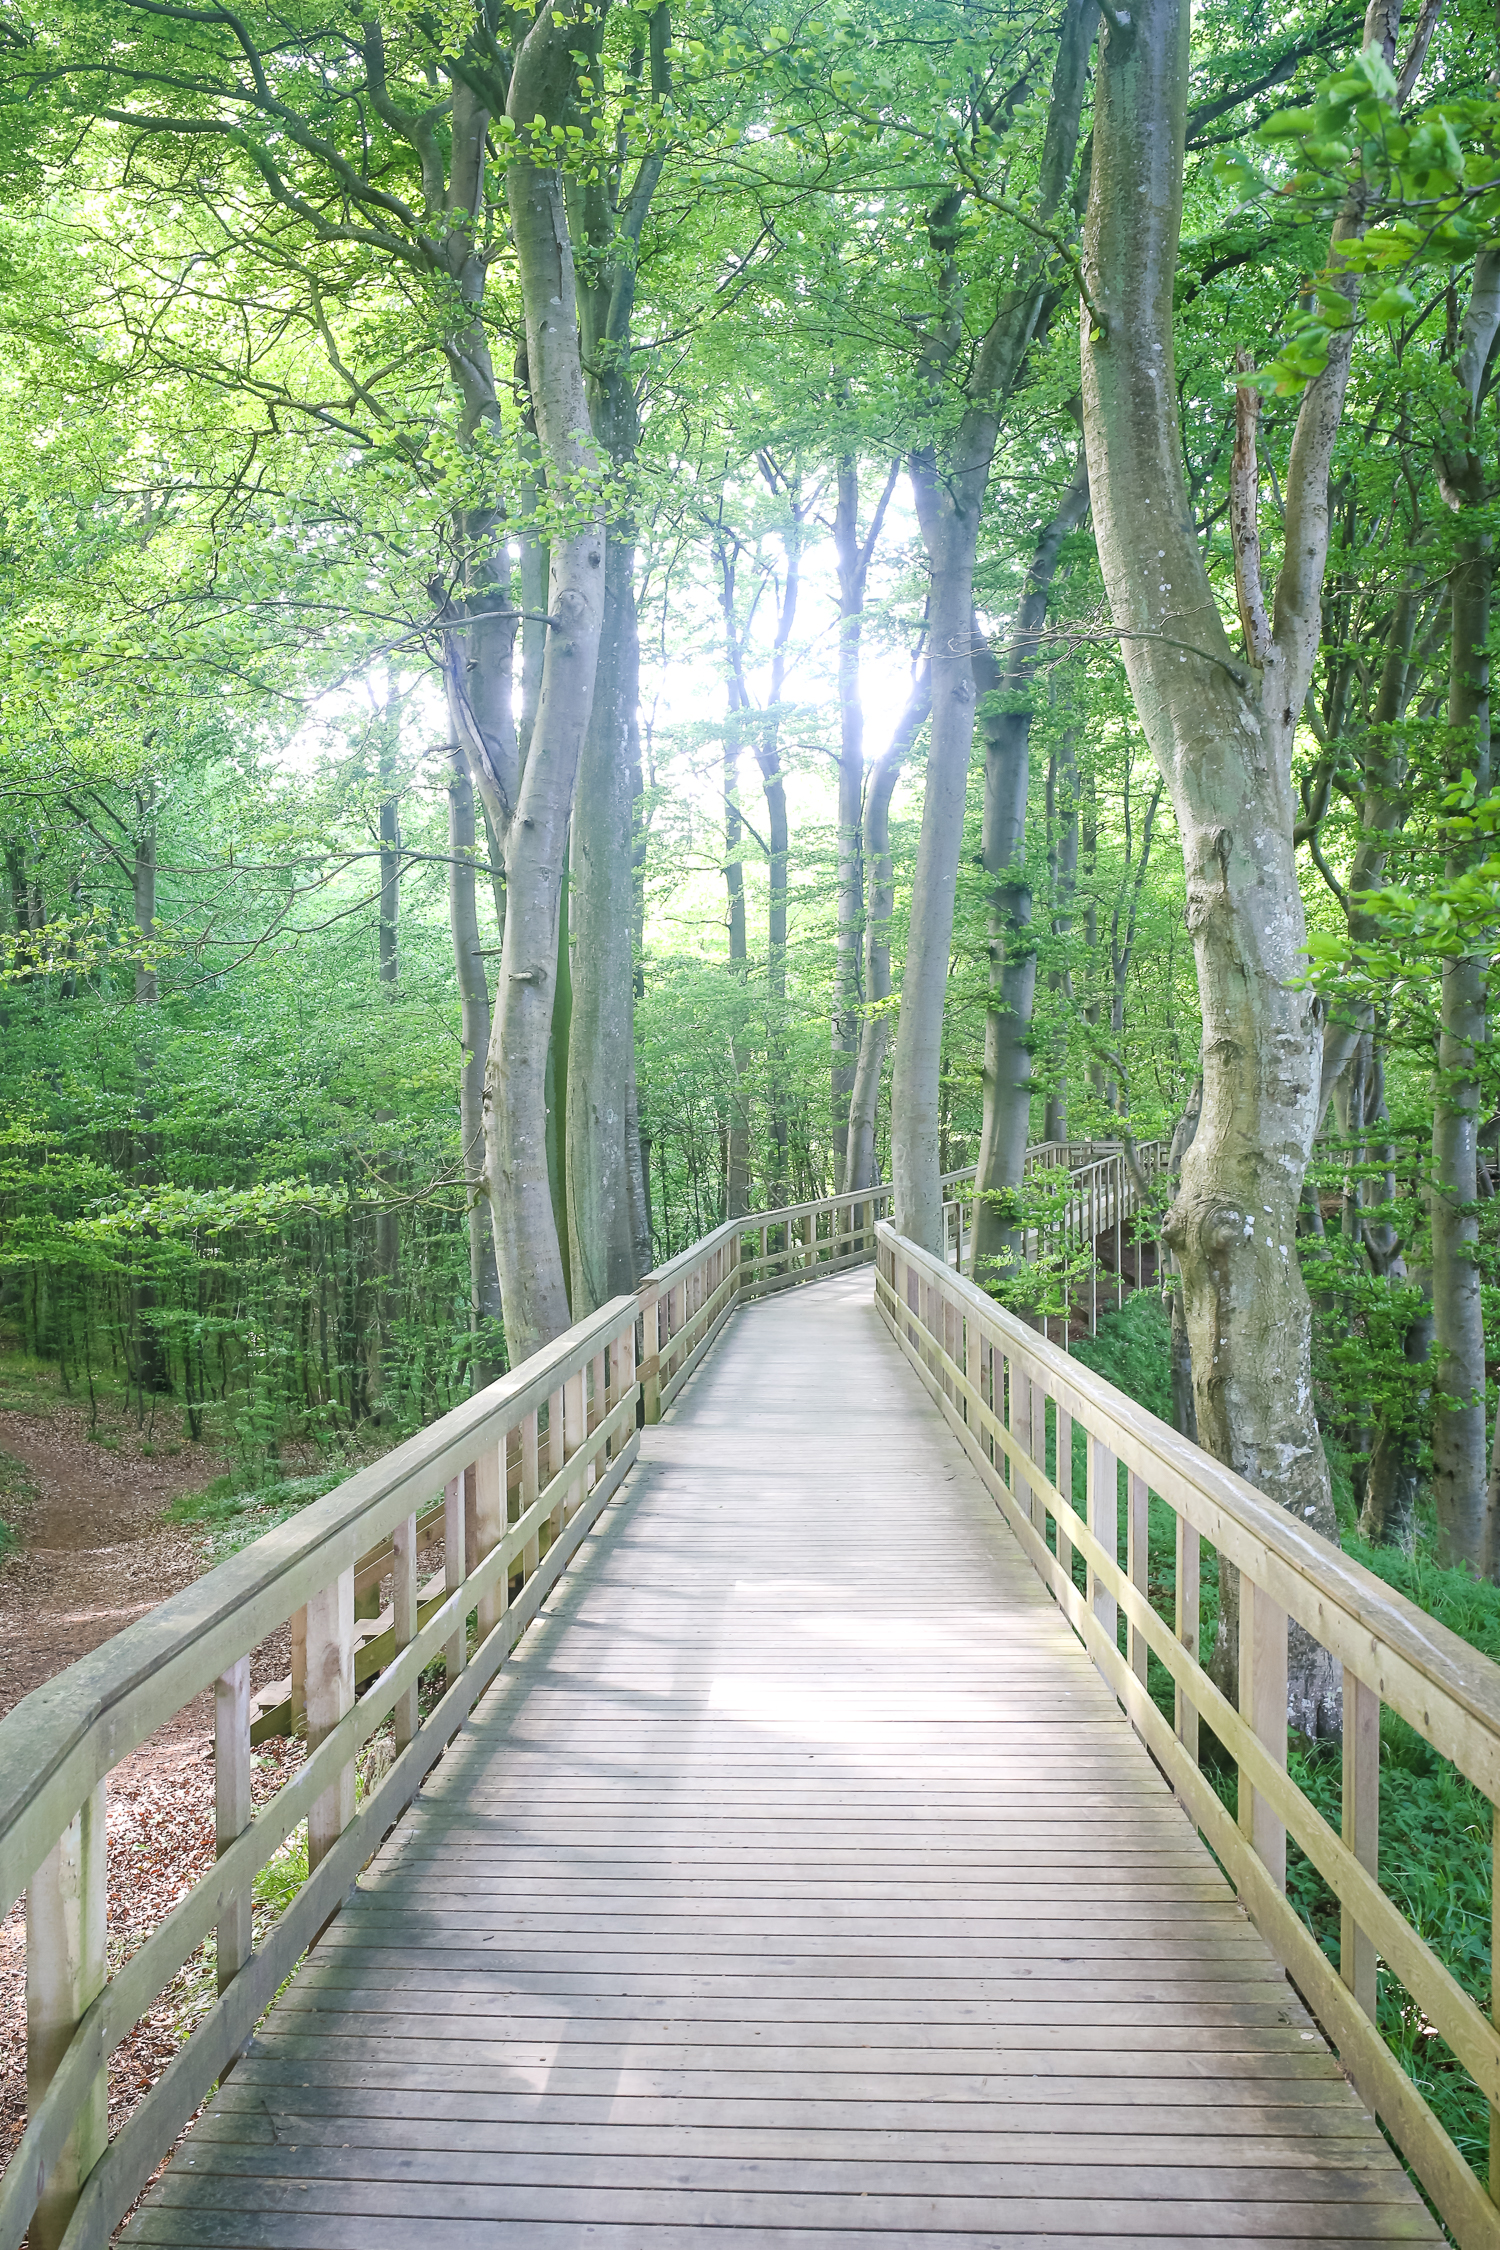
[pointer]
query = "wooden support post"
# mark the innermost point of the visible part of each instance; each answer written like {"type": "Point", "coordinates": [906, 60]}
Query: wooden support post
{"type": "Point", "coordinates": [455, 1648]}
{"type": "Point", "coordinates": [1137, 1529]}
{"type": "Point", "coordinates": [299, 1671]}
{"type": "Point", "coordinates": [574, 1434]}
{"type": "Point", "coordinates": [530, 1487]}
{"type": "Point", "coordinates": [330, 1694]}
{"type": "Point", "coordinates": [599, 1409]}
{"type": "Point", "coordinates": [66, 1907]}
{"type": "Point", "coordinates": [1063, 1479]}
{"type": "Point", "coordinates": [1037, 1448]}
{"type": "Point", "coordinates": [1263, 1709]}
{"type": "Point", "coordinates": [489, 1528]}
{"type": "Point", "coordinates": [552, 1524]}
{"type": "Point", "coordinates": [232, 1806]}
{"type": "Point", "coordinates": [404, 1619]}
{"type": "Point", "coordinates": [1186, 1623]}
{"type": "Point", "coordinates": [973, 1373]}
{"type": "Point", "coordinates": [471, 1518]}
{"type": "Point", "coordinates": [1361, 1830]}
{"type": "Point", "coordinates": [1104, 1522]}
{"type": "Point", "coordinates": [650, 1358]}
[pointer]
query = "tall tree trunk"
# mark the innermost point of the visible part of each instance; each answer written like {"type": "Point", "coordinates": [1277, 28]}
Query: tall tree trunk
{"type": "Point", "coordinates": [143, 886]}
{"type": "Point", "coordinates": [601, 1033]}
{"type": "Point", "coordinates": [737, 1158]}
{"type": "Point", "coordinates": [1062, 823]}
{"type": "Point", "coordinates": [604, 1221]}
{"type": "Point", "coordinates": [1460, 1485]}
{"type": "Point", "coordinates": [1005, 727]}
{"type": "Point", "coordinates": [474, 1000]}
{"type": "Point", "coordinates": [949, 493]}
{"type": "Point", "coordinates": [875, 1030]}
{"type": "Point", "coordinates": [1221, 731]}
{"type": "Point", "coordinates": [853, 556]}
{"type": "Point", "coordinates": [767, 741]}
{"type": "Point", "coordinates": [532, 1282]}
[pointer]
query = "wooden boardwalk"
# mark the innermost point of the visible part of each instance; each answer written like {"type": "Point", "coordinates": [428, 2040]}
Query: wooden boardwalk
{"type": "Point", "coordinates": [798, 1883]}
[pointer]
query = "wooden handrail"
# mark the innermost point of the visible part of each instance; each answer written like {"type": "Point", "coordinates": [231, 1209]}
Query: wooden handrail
{"type": "Point", "coordinates": [1006, 1392]}
{"type": "Point", "coordinates": [516, 1475]}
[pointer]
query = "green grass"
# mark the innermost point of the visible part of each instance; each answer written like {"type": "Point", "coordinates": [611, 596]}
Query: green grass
{"type": "Point", "coordinates": [233, 1514]}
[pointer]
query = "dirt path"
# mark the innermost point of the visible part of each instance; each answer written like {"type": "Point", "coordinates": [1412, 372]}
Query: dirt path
{"type": "Point", "coordinates": [96, 1555]}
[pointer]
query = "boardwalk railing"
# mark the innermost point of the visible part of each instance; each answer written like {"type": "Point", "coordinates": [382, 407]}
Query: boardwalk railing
{"type": "Point", "coordinates": [1105, 1194]}
{"type": "Point", "coordinates": [509, 1483]}
{"type": "Point", "coordinates": [1014, 1401]}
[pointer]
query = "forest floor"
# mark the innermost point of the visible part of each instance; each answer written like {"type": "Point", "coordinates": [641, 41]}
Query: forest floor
{"type": "Point", "coordinates": [94, 1553]}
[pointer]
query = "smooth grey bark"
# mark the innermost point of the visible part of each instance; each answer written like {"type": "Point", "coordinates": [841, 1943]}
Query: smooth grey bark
{"type": "Point", "coordinates": [1460, 1483]}
{"type": "Point", "coordinates": [766, 741]}
{"type": "Point", "coordinates": [1221, 730]}
{"type": "Point", "coordinates": [1184, 1414]}
{"type": "Point", "coordinates": [474, 1032]}
{"type": "Point", "coordinates": [143, 893]}
{"type": "Point", "coordinates": [385, 1271]}
{"type": "Point", "coordinates": [605, 1222]}
{"type": "Point", "coordinates": [949, 489]}
{"type": "Point", "coordinates": [601, 1031]}
{"type": "Point", "coordinates": [1062, 832]}
{"type": "Point", "coordinates": [853, 556]}
{"type": "Point", "coordinates": [1005, 729]}
{"type": "Point", "coordinates": [737, 1136]}
{"type": "Point", "coordinates": [880, 875]}
{"type": "Point", "coordinates": [528, 1252]}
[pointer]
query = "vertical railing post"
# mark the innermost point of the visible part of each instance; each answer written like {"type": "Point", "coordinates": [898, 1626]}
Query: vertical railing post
{"type": "Point", "coordinates": [1187, 1627]}
{"type": "Point", "coordinates": [1263, 1709]}
{"type": "Point", "coordinates": [299, 1671]}
{"type": "Point", "coordinates": [404, 1620]}
{"type": "Point", "coordinates": [1062, 1425]}
{"type": "Point", "coordinates": [454, 1648]}
{"type": "Point", "coordinates": [489, 1527]}
{"type": "Point", "coordinates": [1137, 1532]}
{"type": "Point", "coordinates": [232, 1807]}
{"type": "Point", "coordinates": [66, 1906]}
{"type": "Point", "coordinates": [330, 1694]}
{"type": "Point", "coordinates": [1104, 1522]}
{"type": "Point", "coordinates": [651, 1356]}
{"type": "Point", "coordinates": [531, 1485]}
{"type": "Point", "coordinates": [555, 1458]}
{"type": "Point", "coordinates": [575, 1433]}
{"type": "Point", "coordinates": [1361, 1829]}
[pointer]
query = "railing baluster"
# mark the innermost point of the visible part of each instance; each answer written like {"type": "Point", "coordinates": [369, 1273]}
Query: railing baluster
{"type": "Point", "coordinates": [552, 1524]}
{"type": "Point", "coordinates": [1104, 1522]}
{"type": "Point", "coordinates": [1062, 1438]}
{"type": "Point", "coordinates": [1360, 1828]}
{"type": "Point", "coordinates": [232, 1807]}
{"type": "Point", "coordinates": [453, 1569]}
{"type": "Point", "coordinates": [66, 1907]}
{"type": "Point", "coordinates": [531, 1485]}
{"type": "Point", "coordinates": [575, 1433]}
{"type": "Point", "coordinates": [330, 1694]}
{"type": "Point", "coordinates": [404, 1619]}
{"type": "Point", "coordinates": [1136, 1542]}
{"type": "Point", "coordinates": [489, 1527]}
{"type": "Point", "coordinates": [1263, 1709]}
{"type": "Point", "coordinates": [1186, 1624]}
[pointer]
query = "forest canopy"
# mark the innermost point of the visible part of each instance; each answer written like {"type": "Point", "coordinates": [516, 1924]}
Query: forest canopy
{"type": "Point", "coordinates": [619, 616]}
